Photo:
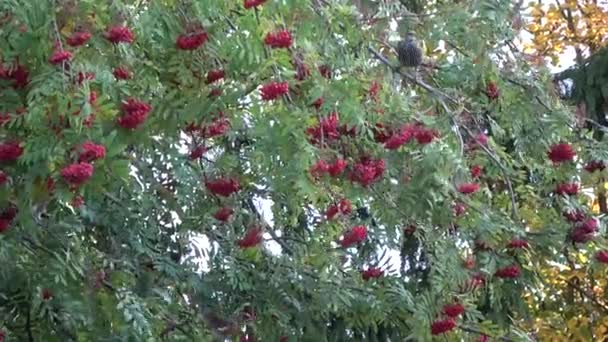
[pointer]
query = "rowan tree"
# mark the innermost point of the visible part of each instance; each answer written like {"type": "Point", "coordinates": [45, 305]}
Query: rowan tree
{"type": "Point", "coordinates": [265, 170]}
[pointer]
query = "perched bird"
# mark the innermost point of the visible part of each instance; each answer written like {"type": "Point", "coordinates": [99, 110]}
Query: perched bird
{"type": "Point", "coordinates": [409, 53]}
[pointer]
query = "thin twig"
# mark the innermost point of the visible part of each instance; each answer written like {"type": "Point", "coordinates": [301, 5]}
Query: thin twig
{"type": "Point", "coordinates": [479, 332]}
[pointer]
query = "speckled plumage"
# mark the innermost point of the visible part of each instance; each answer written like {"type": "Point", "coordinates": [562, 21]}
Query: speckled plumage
{"type": "Point", "coordinates": [409, 53]}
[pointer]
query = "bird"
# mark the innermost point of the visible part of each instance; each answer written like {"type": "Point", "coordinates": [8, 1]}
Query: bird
{"type": "Point", "coordinates": [409, 52]}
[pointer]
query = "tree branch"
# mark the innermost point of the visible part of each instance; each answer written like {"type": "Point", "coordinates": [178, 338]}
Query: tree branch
{"type": "Point", "coordinates": [587, 295]}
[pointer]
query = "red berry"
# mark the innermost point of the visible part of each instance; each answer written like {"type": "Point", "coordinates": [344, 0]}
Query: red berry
{"type": "Point", "coordinates": [374, 89]}
{"type": "Point", "coordinates": [372, 273]}
{"type": "Point", "coordinates": [325, 71]}
{"type": "Point", "coordinates": [569, 189]}
{"type": "Point", "coordinates": [214, 75]}
{"type": "Point", "coordinates": [253, 3]}
{"type": "Point", "coordinates": [252, 238]}
{"type": "Point", "coordinates": [119, 34]}
{"type": "Point", "coordinates": [10, 151]}
{"type": "Point", "coordinates": [78, 38]}
{"type": "Point", "coordinates": [468, 188]}
{"type": "Point", "coordinates": [197, 152]}
{"type": "Point", "coordinates": [492, 91]}
{"type": "Point", "coordinates": [223, 214]}
{"type": "Point", "coordinates": [442, 326]}
{"type": "Point", "coordinates": [453, 310]}
{"type": "Point", "coordinates": [223, 186]}
{"type": "Point", "coordinates": [367, 171]}
{"type": "Point", "coordinates": [77, 202]}
{"type": "Point", "coordinates": [279, 39]}
{"type": "Point", "coordinates": [318, 103]}
{"type": "Point", "coordinates": [122, 73]}
{"type": "Point", "coordinates": [354, 236]}
{"type": "Point", "coordinates": [273, 90]}
{"type": "Point", "coordinates": [602, 256]}
{"type": "Point", "coordinates": [476, 171]}
{"type": "Point", "coordinates": [326, 131]}
{"type": "Point", "coordinates": [89, 152]}
{"type": "Point", "coordinates": [508, 272]}
{"type": "Point", "coordinates": [319, 169]}
{"type": "Point", "coordinates": [46, 294]}
{"type": "Point", "coordinates": [135, 113]}
{"type": "Point", "coordinates": [560, 153]}
{"type": "Point", "coordinates": [518, 243]}
{"type": "Point", "coordinates": [77, 174]}
{"type": "Point", "coordinates": [337, 167]}
{"type": "Point", "coordinates": [595, 165]}
{"type": "Point", "coordinates": [60, 56]}
{"type": "Point", "coordinates": [192, 40]}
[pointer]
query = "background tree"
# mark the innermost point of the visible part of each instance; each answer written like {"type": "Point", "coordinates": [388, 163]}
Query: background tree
{"type": "Point", "coordinates": [581, 26]}
{"type": "Point", "coordinates": [131, 130]}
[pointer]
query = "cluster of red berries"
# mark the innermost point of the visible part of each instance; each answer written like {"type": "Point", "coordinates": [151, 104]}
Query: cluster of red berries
{"type": "Point", "coordinates": [327, 130]}
{"type": "Point", "coordinates": [567, 189]}
{"type": "Point", "coordinates": [78, 38]}
{"type": "Point", "coordinates": [119, 34]}
{"type": "Point", "coordinates": [372, 273]}
{"type": "Point", "coordinates": [10, 151]}
{"type": "Point", "coordinates": [561, 153]}
{"type": "Point", "coordinates": [192, 40]}
{"type": "Point", "coordinates": [122, 73]}
{"type": "Point", "coordinates": [214, 76]}
{"type": "Point", "coordinates": [253, 3]}
{"type": "Point", "coordinates": [218, 127]}
{"type": "Point", "coordinates": [518, 243]}
{"type": "Point", "coordinates": [492, 91]}
{"type": "Point", "coordinates": [77, 174]}
{"type": "Point", "coordinates": [394, 139]}
{"type": "Point", "coordinates": [135, 113]}
{"type": "Point", "coordinates": [60, 56]}
{"type": "Point", "coordinates": [90, 151]}
{"type": "Point", "coordinates": [273, 90]}
{"type": "Point", "coordinates": [302, 71]}
{"type": "Point", "coordinates": [6, 218]}
{"type": "Point", "coordinates": [335, 169]}
{"type": "Point", "coordinates": [584, 231]}
{"type": "Point", "coordinates": [476, 171]}
{"type": "Point", "coordinates": [223, 186]}
{"type": "Point", "coordinates": [325, 71]}
{"type": "Point", "coordinates": [444, 325]}
{"type": "Point", "coordinates": [223, 214]}
{"type": "Point", "coordinates": [344, 207]}
{"type": "Point", "coordinates": [602, 256]}
{"type": "Point", "coordinates": [252, 238]}
{"type": "Point", "coordinates": [508, 272]}
{"type": "Point", "coordinates": [374, 90]}
{"type": "Point", "coordinates": [17, 73]}
{"type": "Point", "coordinates": [279, 39]}
{"type": "Point", "coordinates": [354, 236]}
{"type": "Point", "coordinates": [595, 165]}
{"type": "Point", "coordinates": [468, 188]}
{"type": "Point", "coordinates": [367, 171]}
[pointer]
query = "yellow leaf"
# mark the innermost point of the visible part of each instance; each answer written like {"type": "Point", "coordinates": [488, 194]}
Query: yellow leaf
{"type": "Point", "coordinates": [68, 28]}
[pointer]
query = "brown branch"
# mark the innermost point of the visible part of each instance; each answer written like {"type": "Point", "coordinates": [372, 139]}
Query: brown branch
{"type": "Point", "coordinates": [587, 295]}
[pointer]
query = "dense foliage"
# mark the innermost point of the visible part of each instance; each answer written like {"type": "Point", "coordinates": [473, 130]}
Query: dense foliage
{"type": "Point", "coordinates": [261, 170]}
